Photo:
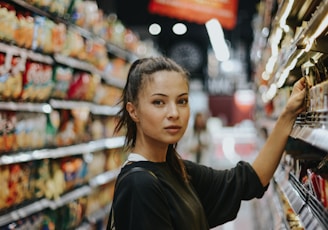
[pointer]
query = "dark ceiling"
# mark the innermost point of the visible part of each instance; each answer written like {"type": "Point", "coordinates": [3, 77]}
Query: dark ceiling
{"type": "Point", "coordinates": [134, 14]}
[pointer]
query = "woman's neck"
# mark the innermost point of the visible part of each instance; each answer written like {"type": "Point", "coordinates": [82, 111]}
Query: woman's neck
{"type": "Point", "coordinates": [153, 153]}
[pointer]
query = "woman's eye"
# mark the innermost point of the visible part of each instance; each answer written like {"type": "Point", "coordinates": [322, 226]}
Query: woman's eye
{"type": "Point", "coordinates": [158, 102]}
{"type": "Point", "coordinates": [183, 101]}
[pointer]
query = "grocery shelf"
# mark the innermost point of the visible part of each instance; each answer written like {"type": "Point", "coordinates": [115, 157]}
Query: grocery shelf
{"type": "Point", "coordinates": [100, 214]}
{"type": "Point", "coordinates": [69, 197]}
{"type": "Point", "coordinates": [25, 106]}
{"type": "Point", "coordinates": [23, 212]}
{"type": "Point", "coordinates": [317, 137]}
{"type": "Point", "coordinates": [44, 203]}
{"type": "Point", "coordinates": [76, 64]}
{"type": "Point", "coordinates": [278, 209]}
{"type": "Point", "coordinates": [65, 19]}
{"type": "Point", "coordinates": [94, 108]}
{"type": "Point", "coordinates": [104, 178]}
{"type": "Point", "coordinates": [311, 212]}
{"type": "Point", "coordinates": [60, 152]}
{"type": "Point", "coordinates": [59, 104]}
{"type": "Point", "coordinates": [30, 54]}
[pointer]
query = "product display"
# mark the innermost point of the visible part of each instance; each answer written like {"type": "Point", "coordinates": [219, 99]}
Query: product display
{"type": "Point", "coordinates": [295, 49]}
{"type": "Point", "coordinates": [62, 68]}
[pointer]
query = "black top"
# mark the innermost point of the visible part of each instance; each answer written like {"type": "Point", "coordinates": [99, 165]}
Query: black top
{"type": "Point", "coordinates": [142, 201]}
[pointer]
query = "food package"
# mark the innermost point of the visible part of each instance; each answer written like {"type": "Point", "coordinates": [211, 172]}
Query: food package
{"type": "Point", "coordinates": [62, 77]}
{"type": "Point", "coordinates": [37, 82]}
{"type": "Point", "coordinates": [107, 95]}
{"type": "Point", "coordinates": [83, 86]}
{"type": "Point", "coordinates": [7, 131]}
{"type": "Point", "coordinates": [8, 21]}
{"type": "Point", "coordinates": [24, 32]}
{"type": "Point", "coordinates": [11, 76]}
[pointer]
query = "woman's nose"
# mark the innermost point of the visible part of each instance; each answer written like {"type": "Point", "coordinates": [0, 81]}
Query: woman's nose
{"type": "Point", "coordinates": [173, 111]}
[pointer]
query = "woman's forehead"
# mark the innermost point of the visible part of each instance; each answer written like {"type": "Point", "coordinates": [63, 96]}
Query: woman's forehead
{"type": "Point", "coordinates": [166, 79]}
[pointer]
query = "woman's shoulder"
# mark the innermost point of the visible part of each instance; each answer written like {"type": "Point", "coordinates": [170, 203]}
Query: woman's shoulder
{"type": "Point", "coordinates": [135, 174]}
{"type": "Point", "coordinates": [193, 166]}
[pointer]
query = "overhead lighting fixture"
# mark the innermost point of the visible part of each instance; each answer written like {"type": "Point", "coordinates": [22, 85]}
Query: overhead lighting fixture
{"type": "Point", "coordinates": [179, 28]}
{"type": "Point", "coordinates": [154, 29]}
{"type": "Point", "coordinates": [219, 45]}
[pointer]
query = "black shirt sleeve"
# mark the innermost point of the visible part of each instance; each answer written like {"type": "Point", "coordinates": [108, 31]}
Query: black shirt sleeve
{"type": "Point", "coordinates": [221, 191]}
{"type": "Point", "coordinates": [142, 193]}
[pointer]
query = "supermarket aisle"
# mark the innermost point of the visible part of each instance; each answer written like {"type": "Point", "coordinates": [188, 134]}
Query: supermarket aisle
{"type": "Point", "coordinates": [246, 218]}
{"type": "Point", "coordinates": [231, 145]}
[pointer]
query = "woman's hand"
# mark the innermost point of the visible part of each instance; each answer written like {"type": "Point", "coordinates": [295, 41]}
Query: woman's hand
{"type": "Point", "coordinates": [296, 103]}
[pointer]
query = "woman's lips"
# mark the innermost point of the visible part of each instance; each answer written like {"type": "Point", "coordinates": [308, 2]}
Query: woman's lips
{"type": "Point", "coordinates": [173, 129]}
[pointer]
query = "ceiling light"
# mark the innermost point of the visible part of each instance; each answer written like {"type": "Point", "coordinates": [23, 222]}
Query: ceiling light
{"type": "Point", "coordinates": [179, 28]}
{"type": "Point", "coordinates": [217, 40]}
{"type": "Point", "coordinates": [155, 29]}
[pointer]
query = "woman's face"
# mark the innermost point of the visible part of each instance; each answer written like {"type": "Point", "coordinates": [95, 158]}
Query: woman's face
{"type": "Point", "coordinates": [163, 111]}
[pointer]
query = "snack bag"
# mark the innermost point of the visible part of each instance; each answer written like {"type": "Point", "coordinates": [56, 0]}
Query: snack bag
{"type": "Point", "coordinates": [11, 80]}
{"type": "Point", "coordinates": [23, 35]}
{"type": "Point", "coordinates": [8, 21]}
{"type": "Point", "coordinates": [62, 77]}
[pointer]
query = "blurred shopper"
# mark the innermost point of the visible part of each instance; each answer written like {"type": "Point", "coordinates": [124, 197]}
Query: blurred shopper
{"type": "Point", "coordinates": [156, 189]}
{"type": "Point", "coordinates": [198, 141]}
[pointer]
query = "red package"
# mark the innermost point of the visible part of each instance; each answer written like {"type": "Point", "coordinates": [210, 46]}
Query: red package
{"type": "Point", "coordinates": [323, 194]}
{"type": "Point", "coordinates": [82, 87]}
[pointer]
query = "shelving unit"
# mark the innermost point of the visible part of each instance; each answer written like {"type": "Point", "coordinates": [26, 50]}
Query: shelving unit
{"type": "Point", "coordinates": [297, 42]}
{"type": "Point", "coordinates": [76, 193]}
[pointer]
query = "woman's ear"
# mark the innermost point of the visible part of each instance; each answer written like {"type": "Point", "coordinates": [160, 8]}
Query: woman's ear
{"type": "Point", "coordinates": [132, 111]}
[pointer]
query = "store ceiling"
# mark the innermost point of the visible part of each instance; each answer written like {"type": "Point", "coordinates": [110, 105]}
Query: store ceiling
{"type": "Point", "coordinates": [134, 14]}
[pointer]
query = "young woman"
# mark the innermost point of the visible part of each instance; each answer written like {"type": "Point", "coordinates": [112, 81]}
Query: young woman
{"type": "Point", "coordinates": [171, 193]}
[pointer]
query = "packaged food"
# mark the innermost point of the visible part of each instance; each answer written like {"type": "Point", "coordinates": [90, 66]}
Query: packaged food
{"type": "Point", "coordinates": [4, 185]}
{"type": "Point", "coordinates": [52, 126]}
{"type": "Point", "coordinates": [74, 45]}
{"type": "Point", "coordinates": [107, 95]}
{"type": "Point", "coordinates": [97, 164]}
{"type": "Point", "coordinates": [24, 32]}
{"type": "Point", "coordinates": [62, 77]}
{"type": "Point", "coordinates": [74, 169]}
{"type": "Point", "coordinates": [19, 179]}
{"type": "Point", "coordinates": [11, 80]}
{"type": "Point", "coordinates": [37, 82]}
{"type": "Point", "coordinates": [8, 21]}
{"type": "Point", "coordinates": [82, 87]}
{"type": "Point", "coordinates": [42, 175]}
{"type": "Point", "coordinates": [7, 131]}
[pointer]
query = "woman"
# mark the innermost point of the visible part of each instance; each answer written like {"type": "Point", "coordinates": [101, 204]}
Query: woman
{"type": "Point", "coordinates": [198, 141]}
{"type": "Point", "coordinates": [171, 193]}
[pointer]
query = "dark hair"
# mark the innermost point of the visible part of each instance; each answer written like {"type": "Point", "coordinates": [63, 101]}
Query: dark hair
{"type": "Point", "coordinates": [138, 74]}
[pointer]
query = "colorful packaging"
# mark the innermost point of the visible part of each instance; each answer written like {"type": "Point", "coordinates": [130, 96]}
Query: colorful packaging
{"type": "Point", "coordinates": [8, 21]}
{"type": "Point", "coordinates": [62, 77]}
{"type": "Point", "coordinates": [24, 32]}
{"type": "Point", "coordinates": [83, 86]}
{"type": "Point", "coordinates": [11, 80]}
{"type": "Point", "coordinates": [37, 82]}
{"type": "Point", "coordinates": [4, 185]}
